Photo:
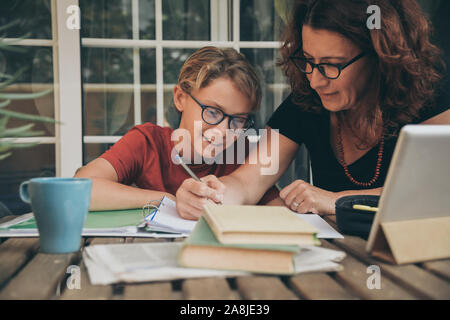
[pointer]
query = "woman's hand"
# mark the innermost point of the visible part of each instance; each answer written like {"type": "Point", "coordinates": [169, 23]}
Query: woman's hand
{"type": "Point", "coordinates": [192, 195]}
{"type": "Point", "coordinates": [302, 197]}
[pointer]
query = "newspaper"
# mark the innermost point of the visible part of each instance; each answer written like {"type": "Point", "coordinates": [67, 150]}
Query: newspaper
{"type": "Point", "coordinates": [145, 262]}
{"type": "Point", "coordinates": [107, 264]}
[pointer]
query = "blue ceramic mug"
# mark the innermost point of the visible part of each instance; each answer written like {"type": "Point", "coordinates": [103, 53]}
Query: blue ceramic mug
{"type": "Point", "coordinates": [60, 207]}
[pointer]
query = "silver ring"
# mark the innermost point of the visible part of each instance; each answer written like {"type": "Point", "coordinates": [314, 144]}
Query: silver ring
{"type": "Point", "coordinates": [295, 204]}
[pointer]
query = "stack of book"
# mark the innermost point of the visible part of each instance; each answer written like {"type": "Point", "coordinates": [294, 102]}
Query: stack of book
{"type": "Point", "coordinates": [261, 239]}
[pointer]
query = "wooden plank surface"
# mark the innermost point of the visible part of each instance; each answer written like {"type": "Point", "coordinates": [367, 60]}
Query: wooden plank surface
{"type": "Point", "coordinates": [148, 240]}
{"type": "Point", "coordinates": [3, 220]}
{"type": "Point", "coordinates": [354, 277]}
{"type": "Point", "coordinates": [440, 268]}
{"type": "Point", "coordinates": [104, 240]}
{"type": "Point", "coordinates": [413, 278]}
{"type": "Point", "coordinates": [14, 253]}
{"type": "Point", "coordinates": [263, 288]}
{"type": "Point", "coordinates": [207, 289]}
{"type": "Point", "coordinates": [39, 278]}
{"type": "Point", "coordinates": [148, 291]}
{"type": "Point", "coordinates": [87, 290]}
{"type": "Point", "coordinates": [21, 266]}
{"type": "Point", "coordinates": [319, 286]}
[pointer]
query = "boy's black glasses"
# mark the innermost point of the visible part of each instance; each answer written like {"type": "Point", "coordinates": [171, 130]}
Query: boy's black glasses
{"type": "Point", "coordinates": [328, 70]}
{"type": "Point", "coordinates": [212, 116]}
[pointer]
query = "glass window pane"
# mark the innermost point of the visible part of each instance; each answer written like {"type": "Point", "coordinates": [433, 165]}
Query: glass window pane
{"type": "Point", "coordinates": [147, 19]}
{"type": "Point", "coordinates": [186, 20]}
{"type": "Point", "coordinates": [262, 20]}
{"type": "Point", "coordinates": [171, 115]}
{"type": "Point", "coordinates": [148, 104]}
{"type": "Point", "coordinates": [94, 150]}
{"type": "Point", "coordinates": [106, 19]}
{"type": "Point", "coordinates": [148, 85]}
{"type": "Point", "coordinates": [108, 112]}
{"type": "Point", "coordinates": [273, 82]}
{"type": "Point", "coordinates": [37, 77]}
{"type": "Point", "coordinates": [108, 90]}
{"type": "Point", "coordinates": [173, 61]}
{"type": "Point", "coordinates": [33, 16]}
{"type": "Point", "coordinates": [148, 65]}
{"type": "Point", "coordinates": [107, 65]}
{"type": "Point", "coordinates": [22, 165]}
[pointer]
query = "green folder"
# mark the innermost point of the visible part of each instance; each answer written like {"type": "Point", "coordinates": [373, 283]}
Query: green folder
{"type": "Point", "coordinates": [99, 220]}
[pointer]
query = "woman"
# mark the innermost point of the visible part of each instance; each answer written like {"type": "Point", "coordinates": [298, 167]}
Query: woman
{"type": "Point", "coordinates": [217, 89]}
{"type": "Point", "coordinates": [352, 91]}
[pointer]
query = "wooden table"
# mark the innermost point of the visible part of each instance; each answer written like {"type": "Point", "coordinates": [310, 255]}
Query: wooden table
{"type": "Point", "coordinates": [27, 274]}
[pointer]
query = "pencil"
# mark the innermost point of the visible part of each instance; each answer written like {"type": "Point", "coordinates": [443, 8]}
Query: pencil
{"type": "Point", "coordinates": [189, 171]}
{"type": "Point", "coordinates": [365, 208]}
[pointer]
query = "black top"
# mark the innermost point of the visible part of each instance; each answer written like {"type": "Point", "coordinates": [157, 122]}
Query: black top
{"type": "Point", "coordinates": [314, 131]}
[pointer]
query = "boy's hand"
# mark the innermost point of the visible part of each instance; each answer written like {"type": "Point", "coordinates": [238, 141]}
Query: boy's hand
{"type": "Point", "coordinates": [192, 195]}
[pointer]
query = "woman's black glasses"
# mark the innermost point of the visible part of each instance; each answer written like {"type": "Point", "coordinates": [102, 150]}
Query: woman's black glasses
{"type": "Point", "coordinates": [328, 70]}
{"type": "Point", "coordinates": [213, 116]}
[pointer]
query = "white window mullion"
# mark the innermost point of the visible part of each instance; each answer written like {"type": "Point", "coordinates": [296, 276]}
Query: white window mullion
{"type": "Point", "coordinates": [30, 42]}
{"type": "Point", "coordinates": [68, 66]}
{"type": "Point", "coordinates": [259, 44]}
{"type": "Point", "coordinates": [55, 89]}
{"type": "Point", "coordinates": [117, 43]}
{"type": "Point", "coordinates": [38, 140]}
{"type": "Point", "coordinates": [130, 43]}
{"type": "Point", "coordinates": [219, 20]}
{"type": "Point", "coordinates": [136, 64]}
{"type": "Point", "coordinates": [236, 24]}
{"type": "Point", "coordinates": [101, 139]}
{"type": "Point", "coordinates": [159, 64]}
{"type": "Point", "coordinates": [214, 19]}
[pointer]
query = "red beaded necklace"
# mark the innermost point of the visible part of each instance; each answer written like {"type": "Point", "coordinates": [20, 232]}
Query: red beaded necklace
{"type": "Point", "coordinates": [340, 147]}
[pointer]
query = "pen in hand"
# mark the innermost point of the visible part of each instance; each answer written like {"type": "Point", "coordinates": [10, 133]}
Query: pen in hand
{"type": "Point", "coordinates": [188, 170]}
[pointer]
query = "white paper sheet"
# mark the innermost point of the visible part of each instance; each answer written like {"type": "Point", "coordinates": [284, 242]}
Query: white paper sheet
{"type": "Point", "coordinates": [325, 230]}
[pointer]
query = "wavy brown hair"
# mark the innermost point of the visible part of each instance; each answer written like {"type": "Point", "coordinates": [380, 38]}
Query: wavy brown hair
{"type": "Point", "coordinates": [407, 66]}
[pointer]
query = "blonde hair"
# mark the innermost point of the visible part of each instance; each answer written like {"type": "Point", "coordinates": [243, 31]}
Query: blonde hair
{"type": "Point", "coordinates": [210, 63]}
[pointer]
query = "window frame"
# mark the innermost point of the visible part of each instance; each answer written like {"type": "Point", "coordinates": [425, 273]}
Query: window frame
{"type": "Point", "coordinates": [67, 44]}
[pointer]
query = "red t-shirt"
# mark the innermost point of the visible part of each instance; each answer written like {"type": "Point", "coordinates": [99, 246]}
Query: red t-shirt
{"type": "Point", "coordinates": [143, 157]}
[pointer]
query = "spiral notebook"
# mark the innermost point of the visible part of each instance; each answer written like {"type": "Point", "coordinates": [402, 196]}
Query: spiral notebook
{"type": "Point", "coordinates": [165, 218]}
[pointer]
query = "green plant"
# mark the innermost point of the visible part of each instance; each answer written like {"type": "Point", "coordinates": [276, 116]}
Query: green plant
{"type": "Point", "coordinates": [8, 135]}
